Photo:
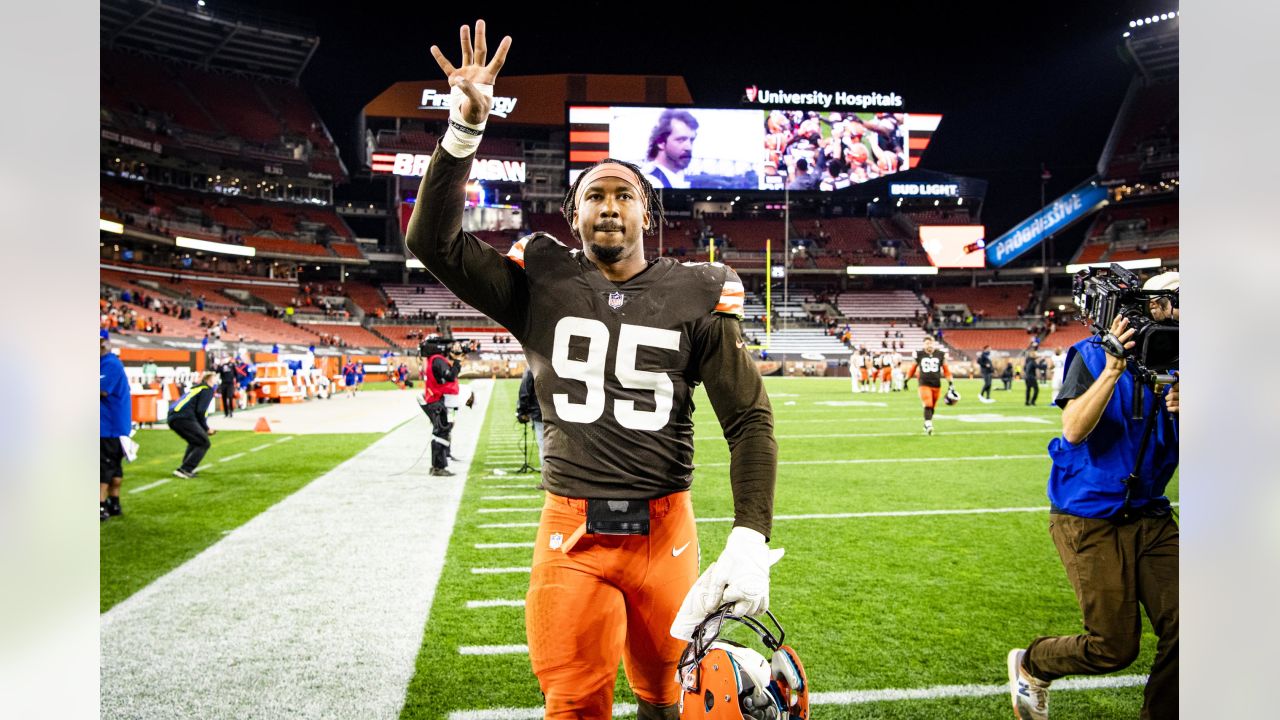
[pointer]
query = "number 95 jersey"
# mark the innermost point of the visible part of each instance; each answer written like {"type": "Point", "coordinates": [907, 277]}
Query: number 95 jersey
{"type": "Point", "coordinates": [615, 365]}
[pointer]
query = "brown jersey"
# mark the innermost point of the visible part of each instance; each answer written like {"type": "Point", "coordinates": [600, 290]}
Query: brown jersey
{"type": "Point", "coordinates": [615, 364]}
{"type": "Point", "coordinates": [930, 366]}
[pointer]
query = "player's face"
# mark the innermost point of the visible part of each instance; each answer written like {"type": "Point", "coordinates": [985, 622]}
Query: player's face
{"type": "Point", "coordinates": [928, 344]}
{"type": "Point", "coordinates": [611, 218]}
{"type": "Point", "coordinates": [677, 151]}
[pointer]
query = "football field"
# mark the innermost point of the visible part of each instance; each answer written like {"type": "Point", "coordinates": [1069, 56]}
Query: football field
{"type": "Point", "coordinates": [913, 564]}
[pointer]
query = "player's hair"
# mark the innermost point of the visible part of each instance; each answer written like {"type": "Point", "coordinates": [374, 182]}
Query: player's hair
{"type": "Point", "coordinates": [652, 202]}
{"type": "Point", "coordinates": [662, 130]}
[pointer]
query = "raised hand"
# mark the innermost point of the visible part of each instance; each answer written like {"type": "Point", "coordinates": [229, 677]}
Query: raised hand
{"type": "Point", "coordinates": [473, 71]}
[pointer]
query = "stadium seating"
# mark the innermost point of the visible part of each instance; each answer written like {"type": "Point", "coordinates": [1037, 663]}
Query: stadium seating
{"type": "Point", "coordinates": [404, 336]}
{"type": "Point", "coordinates": [285, 246]}
{"type": "Point", "coordinates": [871, 336]}
{"type": "Point", "coordinates": [367, 297]}
{"type": "Point", "coordinates": [433, 300]}
{"type": "Point", "coordinates": [880, 304]}
{"type": "Point", "coordinates": [972, 341]}
{"type": "Point", "coordinates": [234, 104]}
{"type": "Point", "coordinates": [351, 335]}
{"type": "Point", "coordinates": [997, 301]}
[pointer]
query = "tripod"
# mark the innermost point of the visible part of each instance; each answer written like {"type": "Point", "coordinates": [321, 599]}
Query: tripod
{"type": "Point", "coordinates": [526, 468]}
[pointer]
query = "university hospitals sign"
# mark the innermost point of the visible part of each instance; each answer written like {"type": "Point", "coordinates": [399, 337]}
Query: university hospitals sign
{"type": "Point", "coordinates": [1056, 216]}
{"type": "Point", "coordinates": [837, 100]}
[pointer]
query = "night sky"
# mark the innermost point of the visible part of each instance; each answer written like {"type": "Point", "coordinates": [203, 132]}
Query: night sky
{"type": "Point", "coordinates": [1020, 86]}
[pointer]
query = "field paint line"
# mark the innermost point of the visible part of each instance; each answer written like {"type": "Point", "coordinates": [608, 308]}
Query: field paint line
{"type": "Point", "coordinates": [847, 697]}
{"type": "Point", "coordinates": [509, 510]}
{"type": "Point", "coordinates": [894, 513]}
{"type": "Point", "coordinates": [477, 604]}
{"type": "Point", "coordinates": [229, 458]}
{"type": "Point", "coordinates": [491, 526]}
{"type": "Point", "coordinates": [494, 650]}
{"type": "Point", "coordinates": [283, 439]}
{"type": "Point", "coordinates": [1040, 431]}
{"type": "Point", "coordinates": [144, 488]}
{"type": "Point", "coordinates": [502, 546]}
{"type": "Point", "coordinates": [531, 496]}
{"type": "Point", "coordinates": [511, 487]}
{"type": "Point", "coordinates": [260, 608]}
{"type": "Point", "coordinates": [501, 571]}
{"type": "Point", "coordinates": [871, 461]}
{"type": "Point", "coordinates": [261, 447]}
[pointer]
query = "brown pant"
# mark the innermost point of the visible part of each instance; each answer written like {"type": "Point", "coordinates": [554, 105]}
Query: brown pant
{"type": "Point", "coordinates": [1113, 569]}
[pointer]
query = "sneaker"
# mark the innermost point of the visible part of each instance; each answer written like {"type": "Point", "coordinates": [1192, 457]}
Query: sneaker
{"type": "Point", "coordinates": [442, 472]}
{"type": "Point", "coordinates": [113, 508]}
{"type": "Point", "coordinates": [928, 428]}
{"type": "Point", "coordinates": [183, 474]}
{"type": "Point", "coordinates": [1030, 695]}
{"type": "Point", "coordinates": [986, 400]}
{"type": "Point", "coordinates": [102, 513]}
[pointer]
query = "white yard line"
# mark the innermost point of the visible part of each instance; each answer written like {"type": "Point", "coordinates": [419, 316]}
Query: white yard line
{"type": "Point", "coordinates": [494, 650]}
{"type": "Point", "coordinates": [847, 697]}
{"type": "Point", "coordinates": [144, 488]}
{"type": "Point", "coordinates": [314, 608]}
{"type": "Point", "coordinates": [229, 458]}
{"type": "Point", "coordinates": [261, 447]}
{"type": "Point", "coordinates": [478, 604]}
{"type": "Point", "coordinates": [283, 439]}
{"type": "Point", "coordinates": [869, 461]}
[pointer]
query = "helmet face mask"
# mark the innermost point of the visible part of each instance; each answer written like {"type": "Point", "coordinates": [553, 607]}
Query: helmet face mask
{"type": "Point", "coordinates": [723, 680]}
{"type": "Point", "coordinates": [952, 397]}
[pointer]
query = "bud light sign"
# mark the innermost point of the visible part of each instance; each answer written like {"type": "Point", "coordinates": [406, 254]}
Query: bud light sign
{"type": "Point", "coordinates": [1056, 216]}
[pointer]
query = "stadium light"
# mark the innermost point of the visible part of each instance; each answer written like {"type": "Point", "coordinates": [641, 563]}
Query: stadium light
{"type": "Point", "coordinates": [215, 247]}
{"type": "Point", "coordinates": [1144, 264]}
{"type": "Point", "coordinates": [111, 227]}
{"type": "Point", "coordinates": [891, 270]}
{"type": "Point", "coordinates": [1133, 23]}
{"type": "Point", "coordinates": [1126, 34]}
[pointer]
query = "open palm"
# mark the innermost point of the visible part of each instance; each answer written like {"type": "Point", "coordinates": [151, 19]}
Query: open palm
{"type": "Point", "coordinates": [473, 71]}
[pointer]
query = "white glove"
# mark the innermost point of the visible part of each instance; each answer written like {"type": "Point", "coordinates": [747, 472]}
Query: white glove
{"type": "Point", "coordinates": [740, 576]}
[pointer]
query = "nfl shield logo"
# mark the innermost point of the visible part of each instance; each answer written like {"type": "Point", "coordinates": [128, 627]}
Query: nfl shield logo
{"type": "Point", "coordinates": [615, 300]}
{"type": "Point", "coordinates": [557, 539]}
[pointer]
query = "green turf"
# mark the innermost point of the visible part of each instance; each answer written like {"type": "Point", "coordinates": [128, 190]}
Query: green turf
{"type": "Point", "coordinates": [870, 603]}
{"type": "Point", "coordinates": [166, 525]}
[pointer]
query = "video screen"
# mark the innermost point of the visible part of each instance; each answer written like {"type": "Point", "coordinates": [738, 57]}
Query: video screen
{"type": "Point", "coordinates": [730, 149]}
{"type": "Point", "coordinates": [954, 246]}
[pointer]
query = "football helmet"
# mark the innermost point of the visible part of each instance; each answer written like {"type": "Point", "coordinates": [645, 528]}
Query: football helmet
{"type": "Point", "coordinates": [952, 397]}
{"type": "Point", "coordinates": [723, 680]}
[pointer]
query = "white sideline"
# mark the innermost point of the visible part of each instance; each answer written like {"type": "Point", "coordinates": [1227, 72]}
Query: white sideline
{"type": "Point", "coordinates": [315, 608]}
{"type": "Point", "coordinates": [846, 697]}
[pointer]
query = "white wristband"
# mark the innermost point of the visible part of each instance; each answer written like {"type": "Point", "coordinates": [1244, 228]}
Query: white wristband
{"type": "Point", "coordinates": [462, 138]}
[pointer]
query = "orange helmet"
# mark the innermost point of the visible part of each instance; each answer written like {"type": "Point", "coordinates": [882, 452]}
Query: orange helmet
{"type": "Point", "coordinates": [722, 680]}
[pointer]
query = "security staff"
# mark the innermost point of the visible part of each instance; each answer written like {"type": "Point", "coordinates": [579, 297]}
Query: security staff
{"type": "Point", "coordinates": [187, 418]}
{"type": "Point", "coordinates": [440, 376]}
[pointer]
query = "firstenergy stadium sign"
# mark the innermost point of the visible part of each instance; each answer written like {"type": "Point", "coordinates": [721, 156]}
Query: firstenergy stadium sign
{"type": "Point", "coordinates": [414, 165]}
{"type": "Point", "coordinates": [432, 100]}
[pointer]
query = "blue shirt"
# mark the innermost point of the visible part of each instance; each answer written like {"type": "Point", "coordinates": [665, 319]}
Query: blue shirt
{"type": "Point", "coordinates": [1087, 479]}
{"type": "Point", "coordinates": [115, 418]}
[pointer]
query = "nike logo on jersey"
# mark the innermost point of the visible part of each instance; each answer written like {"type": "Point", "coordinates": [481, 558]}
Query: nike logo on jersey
{"type": "Point", "coordinates": [675, 552]}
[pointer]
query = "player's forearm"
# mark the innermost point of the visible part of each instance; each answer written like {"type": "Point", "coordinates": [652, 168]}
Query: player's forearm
{"type": "Point", "coordinates": [436, 222]}
{"type": "Point", "coordinates": [1082, 414]}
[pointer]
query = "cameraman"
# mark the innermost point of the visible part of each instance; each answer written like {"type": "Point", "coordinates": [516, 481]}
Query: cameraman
{"type": "Point", "coordinates": [440, 377]}
{"type": "Point", "coordinates": [527, 408]}
{"type": "Point", "coordinates": [1119, 548]}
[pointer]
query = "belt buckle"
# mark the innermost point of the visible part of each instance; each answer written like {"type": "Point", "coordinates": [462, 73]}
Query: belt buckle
{"type": "Point", "coordinates": [617, 517]}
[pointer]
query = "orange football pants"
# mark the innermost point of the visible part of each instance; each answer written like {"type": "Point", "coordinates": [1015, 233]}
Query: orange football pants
{"type": "Point", "coordinates": [929, 395]}
{"type": "Point", "coordinates": [610, 597]}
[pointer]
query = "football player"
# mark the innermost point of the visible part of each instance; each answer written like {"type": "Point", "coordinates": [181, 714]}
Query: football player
{"type": "Point", "coordinates": [932, 365]}
{"type": "Point", "coordinates": [616, 344]}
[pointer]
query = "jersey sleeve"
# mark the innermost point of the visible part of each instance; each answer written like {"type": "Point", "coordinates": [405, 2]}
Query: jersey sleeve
{"type": "Point", "coordinates": [732, 295]}
{"type": "Point", "coordinates": [737, 394]}
{"type": "Point", "coordinates": [477, 273]}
